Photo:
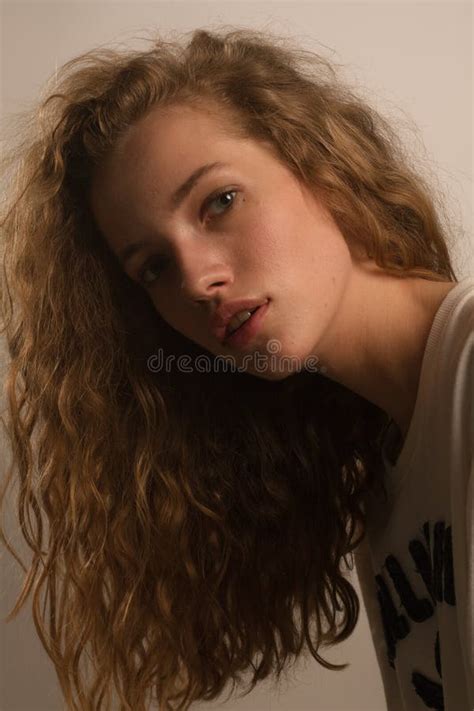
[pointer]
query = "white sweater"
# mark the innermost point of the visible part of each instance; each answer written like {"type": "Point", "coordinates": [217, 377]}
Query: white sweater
{"type": "Point", "coordinates": [416, 564]}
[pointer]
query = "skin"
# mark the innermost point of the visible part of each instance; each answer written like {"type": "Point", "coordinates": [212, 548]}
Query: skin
{"type": "Point", "coordinates": [367, 328]}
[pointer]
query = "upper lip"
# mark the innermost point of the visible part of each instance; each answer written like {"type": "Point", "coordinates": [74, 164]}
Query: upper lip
{"type": "Point", "coordinates": [226, 311]}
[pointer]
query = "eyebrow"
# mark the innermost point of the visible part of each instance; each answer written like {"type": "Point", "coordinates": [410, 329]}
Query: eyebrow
{"type": "Point", "coordinates": [177, 198]}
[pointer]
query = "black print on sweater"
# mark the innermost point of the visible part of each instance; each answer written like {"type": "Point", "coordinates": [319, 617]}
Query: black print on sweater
{"type": "Point", "coordinates": [433, 557]}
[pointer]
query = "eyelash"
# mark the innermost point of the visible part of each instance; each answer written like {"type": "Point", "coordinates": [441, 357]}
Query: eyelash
{"type": "Point", "coordinates": [208, 201]}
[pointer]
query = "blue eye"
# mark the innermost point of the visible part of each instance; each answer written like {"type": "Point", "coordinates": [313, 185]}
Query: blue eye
{"type": "Point", "coordinates": [217, 196]}
{"type": "Point", "coordinates": [160, 262]}
{"type": "Point", "coordinates": [149, 267]}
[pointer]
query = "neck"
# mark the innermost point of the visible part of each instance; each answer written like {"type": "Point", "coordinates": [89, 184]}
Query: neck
{"type": "Point", "coordinates": [376, 344]}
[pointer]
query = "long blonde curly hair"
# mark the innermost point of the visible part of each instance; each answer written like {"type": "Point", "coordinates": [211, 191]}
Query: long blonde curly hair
{"type": "Point", "coordinates": [189, 516]}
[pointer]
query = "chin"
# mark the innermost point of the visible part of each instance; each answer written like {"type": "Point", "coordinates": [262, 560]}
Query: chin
{"type": "Point", "coordinates": [275, 375]}
{"type": "Point", "coordinates": [270, 376]}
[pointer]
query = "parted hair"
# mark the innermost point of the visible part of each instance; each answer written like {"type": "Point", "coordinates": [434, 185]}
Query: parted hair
{"type": "Point", "coordinates": [187, 527]}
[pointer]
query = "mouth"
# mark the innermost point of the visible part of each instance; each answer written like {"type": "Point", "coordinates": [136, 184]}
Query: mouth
{"type": "Point", "coordinates": [244, 334]}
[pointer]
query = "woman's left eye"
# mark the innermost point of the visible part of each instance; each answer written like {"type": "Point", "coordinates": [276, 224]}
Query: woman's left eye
{"type": "Point", "coordinates": [215, 197]}
{"type": "Point", "coordinates": [161, 263]}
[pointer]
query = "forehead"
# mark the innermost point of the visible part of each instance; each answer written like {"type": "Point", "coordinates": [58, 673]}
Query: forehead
{"type": "Point", "coordinates": [161, 145]}
{"type": "Point", "coordinates": [163, 148]}
{"type": "Point", "coordinates": [131, 195]}
{"type": "Point", "coordinates": [178, 131]}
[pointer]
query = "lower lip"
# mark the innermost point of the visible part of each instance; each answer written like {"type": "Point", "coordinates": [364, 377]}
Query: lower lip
{"type": "Point", "coordinates": [245, 333]}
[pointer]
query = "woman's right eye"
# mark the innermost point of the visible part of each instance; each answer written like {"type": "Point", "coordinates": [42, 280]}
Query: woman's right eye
{"type": "Point", "coordinates": [148, 267]}
{"type": "Point", "coordinates": [161, 262]}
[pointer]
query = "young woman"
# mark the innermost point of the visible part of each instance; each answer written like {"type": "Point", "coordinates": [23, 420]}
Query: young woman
{"type": "Point", "coordinates": [216, 204]}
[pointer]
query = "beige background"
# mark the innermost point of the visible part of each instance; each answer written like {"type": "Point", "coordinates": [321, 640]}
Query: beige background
{"type": "Point", "coordinates": [413, 60]}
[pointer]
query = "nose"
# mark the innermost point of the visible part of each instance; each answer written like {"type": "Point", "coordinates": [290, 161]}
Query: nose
{"type": "Point", "coordinates": [202, 273]}
{"type": "Point", "coordinates": [202, 288]}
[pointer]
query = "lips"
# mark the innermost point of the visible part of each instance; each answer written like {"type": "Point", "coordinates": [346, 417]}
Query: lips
{"type": "Point", "coordinates": [242, 338]}
{"type": "Point", "coordinates": [225, 313]}
{"type": "Point", "coordinates": [231, 328]}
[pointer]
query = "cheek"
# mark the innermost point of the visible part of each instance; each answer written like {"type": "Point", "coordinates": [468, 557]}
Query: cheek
{"type": "Point", "coordinates": [286, 235]}
{"type": "Point", "coordinates": [170, 317]}
{"type": "Point", "coordinates": [270, 249]}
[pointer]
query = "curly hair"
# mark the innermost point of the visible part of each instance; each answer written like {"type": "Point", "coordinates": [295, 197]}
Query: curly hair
{"type": "Point", "coordinates": [188, 515]}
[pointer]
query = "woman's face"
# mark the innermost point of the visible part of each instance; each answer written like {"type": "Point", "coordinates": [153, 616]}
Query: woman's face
{"type": "Point", "coordinates": [267, 237]}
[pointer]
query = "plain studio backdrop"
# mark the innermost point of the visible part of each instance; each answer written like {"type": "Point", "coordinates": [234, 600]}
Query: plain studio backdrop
{"type": "Point", "coordinates": [413, 61]}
